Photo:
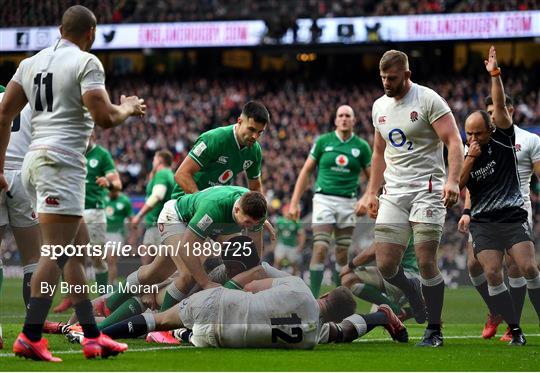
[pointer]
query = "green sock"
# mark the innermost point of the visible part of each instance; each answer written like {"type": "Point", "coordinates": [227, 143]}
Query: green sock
{"type": "Point", "coordinates": [117, 299]}
{"type": "Point", "coordinates": [316, 273]}
{"type": "Point", "coordinates": [371, 294]}
{"type": "Point", "coordinates": [335, 275]}
{"type": "Point", "coordinates": [173, 296]}
{"type": "Point", "coordinates": [102, 279]}
{"type": "Point", "coordinates": [231, 284]}
{"type": "Point", "coordinates": [129, 308]}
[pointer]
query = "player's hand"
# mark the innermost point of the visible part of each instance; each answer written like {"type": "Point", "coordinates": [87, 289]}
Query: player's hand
{"type": "Point", "coordinates": [103, 182]}
{"type": "Point", "coordinates": [474, 149]}
{"type": "Point", "coordinates": [463, 224]}
{"type": "Point", "coordinates": [372, 203]}
{"type": "Point", "coordinates": [270, 228]}
{"type": "Point", "coordinates": [491, 62]}
{"type": "Point", "coordinates": [294, 212]}
{"type": "Point", "coordinates": [360, 209]}
{"type": "Point", "coordinates": [136, 220]}
{"type": "Point", "coordinates": [210, 284]}
{"type": "Point", "coordinates": [3, 183]}
{"type": "Point", "coordinates": [345, 271]}
{"type": "Point", "coordinates": [450, 194]}
{"type": "Point", "coordinates": [137, 106]}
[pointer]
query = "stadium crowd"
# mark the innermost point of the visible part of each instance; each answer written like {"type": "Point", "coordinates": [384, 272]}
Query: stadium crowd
{"type": "Point", "coordinates": [48, 12]}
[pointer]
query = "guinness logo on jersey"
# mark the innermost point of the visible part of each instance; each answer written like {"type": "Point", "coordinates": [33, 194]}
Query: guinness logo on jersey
{"type": "Point", "coordinates": [225, 176]}
{"type": "Point", "coordinates": [342, 160]}
{"type": "Point", "coordinates": [93, 163]}
{"type": "Point", "coordinates": [355, 152]}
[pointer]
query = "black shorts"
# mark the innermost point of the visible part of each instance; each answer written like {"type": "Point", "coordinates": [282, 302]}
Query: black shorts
{"type": "Point", "coordinates": [499, 236]}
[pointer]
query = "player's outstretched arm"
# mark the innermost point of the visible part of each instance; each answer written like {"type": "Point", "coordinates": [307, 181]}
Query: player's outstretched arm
{"type": "Point", "coordinates": [501, 117]}
{"type": "Point", "coordinates": [107, 114]}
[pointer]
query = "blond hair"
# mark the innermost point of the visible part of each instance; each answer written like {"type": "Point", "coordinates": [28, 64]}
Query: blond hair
{"type": "Point", "coordinates": [393, 58]}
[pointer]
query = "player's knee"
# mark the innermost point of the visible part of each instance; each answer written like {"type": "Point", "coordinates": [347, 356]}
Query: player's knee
{"type": "Point", "coordinates": [473, 266]}
{"type": "Point", "coordinates": [513, 270]}
{"type": "Point", "coordinates": [392, 233]}
{"type": "Point", "coordinates": [428, 268]}
{"type": "Point", "coordinates": [425, 232]}
{"type": "Point", "coordinates": [387, 267]}
{"type": "Point", "coordinates": [321, 240]}
{"type": "Point", "coordinates": [493, 275]}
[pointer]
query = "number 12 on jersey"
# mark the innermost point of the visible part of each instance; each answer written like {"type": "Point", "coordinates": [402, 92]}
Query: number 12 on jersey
{"type": "Point", "coordinates": [296, 332]}
{"type": "Point", "coordinates": [47, 82]}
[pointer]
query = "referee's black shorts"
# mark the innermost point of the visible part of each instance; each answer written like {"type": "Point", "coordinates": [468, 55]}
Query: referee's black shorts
{"type": "Point", "coordinates": [499, 236]}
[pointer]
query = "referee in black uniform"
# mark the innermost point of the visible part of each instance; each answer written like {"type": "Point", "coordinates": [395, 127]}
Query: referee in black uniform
{"type": "Point", "coordinates": [498, 221]}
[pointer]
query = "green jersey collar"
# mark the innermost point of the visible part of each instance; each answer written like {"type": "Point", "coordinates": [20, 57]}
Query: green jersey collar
{"type": "Point", "coordinates": [236, 138]}
{"type": "Point", "coordinates": [344, 141]}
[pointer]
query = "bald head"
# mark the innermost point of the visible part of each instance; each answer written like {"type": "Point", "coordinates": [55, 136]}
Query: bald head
{"type": "Point", "coordinates": [478, 127]}
{"type": "Point", "coordinates": [77, 21]}
{"type": "Point", "coordinates": [345, 109]}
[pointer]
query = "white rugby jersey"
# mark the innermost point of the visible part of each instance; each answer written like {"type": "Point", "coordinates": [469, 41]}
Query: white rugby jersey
{"type": "Point", "coordinates": [414, 152]}
{"type": "Point", "coordinates": [54, 81]}
{"type": "Point", "coordinates": [527, 153]}
{"type": "Point", "coordinates": [19, 139]}
{"type": "Point", "coordinates": [284, 316]}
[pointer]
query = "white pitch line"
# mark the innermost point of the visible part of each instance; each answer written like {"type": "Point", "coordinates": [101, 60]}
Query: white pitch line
{"type": "Point", "coordinates": [365, 340]}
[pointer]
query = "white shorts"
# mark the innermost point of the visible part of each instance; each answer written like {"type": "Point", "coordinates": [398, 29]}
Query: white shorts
{"type": "Point", "coordinates": [333, 210]}
{"type": "Point", "coordinates": [151, 236]}
{"type": "Point", "coordinates": [16, 211]}
{"type": "Point", "coordinates": [169, 223]}
{"type": "Point", "coordinates": [286, 252]}
{"type": "Point", "coordinates": [114, 237]}
{"type": "Point", "coordinates": [54, 180]}
{"type": "Point", "coordinates": [421, 207]}
{"type": "Point", "coordinates": [199, 312]}
{"type": "Point", "coordinates": [96, 221]}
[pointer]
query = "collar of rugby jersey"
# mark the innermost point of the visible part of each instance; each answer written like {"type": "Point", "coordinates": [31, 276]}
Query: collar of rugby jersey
{"type": "Point", "coordinates": [404, 99]}
{"type": "Point", "coordinates": [236, 138]}
{"type": "Point", "coordinates": [344, 141]}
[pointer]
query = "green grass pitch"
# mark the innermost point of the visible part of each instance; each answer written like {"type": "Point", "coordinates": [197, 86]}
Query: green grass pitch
{"type": "Point", "coordinates": [464, 350]}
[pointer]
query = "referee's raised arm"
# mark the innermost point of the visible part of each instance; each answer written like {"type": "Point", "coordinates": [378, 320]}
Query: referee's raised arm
{"type": "Point", "coordinates": [500, 116]}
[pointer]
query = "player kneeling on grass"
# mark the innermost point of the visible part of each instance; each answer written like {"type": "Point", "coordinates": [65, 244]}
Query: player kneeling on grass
{"type": "Point", "coordinates": [275, 310]}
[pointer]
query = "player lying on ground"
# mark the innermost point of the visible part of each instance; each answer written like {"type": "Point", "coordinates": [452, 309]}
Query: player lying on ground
{"type": "Point", "coordinates": [276, 310]}
{"type": "Point", "coordinates": [367, 283]}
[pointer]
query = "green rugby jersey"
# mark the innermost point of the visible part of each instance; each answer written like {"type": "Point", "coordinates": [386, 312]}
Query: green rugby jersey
{"type": "Point", "coordinates": [210, 212]}
{"type": "Point", "coordinates": [339, 164]}
{"type": "Point", "coordinates": [117, 211]}
{"type": "Point", "coordinates": [221, 158]}
{"type": "Point", "coordinates": [99, 163]}
{"type": "Point", "coordinates": [408, 261]}
{"type": "Point", "coordinates": [163, 177]}
{"type": "Point", "coordinates": [287, 231]}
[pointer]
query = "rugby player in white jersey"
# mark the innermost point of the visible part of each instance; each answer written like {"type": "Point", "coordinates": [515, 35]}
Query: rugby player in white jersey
{"type": "Point", "coordinates": [527, 147]}
{"type": "Point", "coordinates": [65, 87]}
{"type": "Point", "coordinates": [15, 209]}
{"type": "Point", "coordinates": [412, 124]}
{"type": "Point", "coordinates": [276, 310]}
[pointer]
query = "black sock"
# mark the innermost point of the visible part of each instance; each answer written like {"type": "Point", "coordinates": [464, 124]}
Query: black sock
{"type": "Point", "coordinates": [85, 314]}
{"type": "Point", "coordinates": [484, 293]}
{"type": "Point", "coordinates": [518, 297]}
{"type": "Point", "coordinates": [402, 282]}
{"type": "Point", "coordinates": [133, 327]}
{"type": "Point", "coordinates": [534, 296]}
{"type": "Point", "coordinates": [504, 306]}
{"type": "Point", "coordinates": [375, 319]}
{"type": "Point", "coordinates": [433, 293]}
{"type": "Point", "coordinates": [38, 308]}
{"type": "Point", "coordinates": [26, 288]}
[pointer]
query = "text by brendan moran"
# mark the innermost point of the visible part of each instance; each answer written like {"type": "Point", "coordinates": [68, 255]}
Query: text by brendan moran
{"type": "Point", "coordinates": [66, 288]}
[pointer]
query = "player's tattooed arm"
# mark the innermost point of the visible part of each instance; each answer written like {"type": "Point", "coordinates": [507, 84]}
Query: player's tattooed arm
{"type": "Point", "coordinates": [184, 175]}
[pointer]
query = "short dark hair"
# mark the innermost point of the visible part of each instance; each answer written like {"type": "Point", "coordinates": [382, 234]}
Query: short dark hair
{"type": "Point", "coordinates": [338, 304]}
{"type": "Point", "coordinates": [166, 156]}
{"type": "Point", "coordinates": [257, 111]}
{"type": "Point", "coordinates": [507, 101]}
{"type": "Point", "coordinates": [485, 116]}
{"type": "Point", "coordinates": [254, 205]}
{"type": "Point", "coordinates": [77, 20]}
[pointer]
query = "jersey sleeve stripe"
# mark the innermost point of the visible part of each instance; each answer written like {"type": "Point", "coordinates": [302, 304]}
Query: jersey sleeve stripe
{"type": "Point", "coordinates": [197, 233]}
{"type": "Point", "coordinates": [195, 159]}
